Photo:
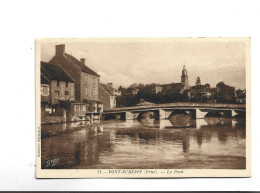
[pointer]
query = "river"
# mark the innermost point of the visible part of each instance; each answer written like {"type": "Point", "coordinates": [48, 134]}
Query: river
{"type": "Point", "coordinates": [178, 143]}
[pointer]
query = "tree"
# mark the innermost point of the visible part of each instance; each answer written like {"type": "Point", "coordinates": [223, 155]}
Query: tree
{"type": "Point", "coordinates": [133, 86]}
{"type": "Point", "coordinates": [221, 83]}
{"type": "Point", "coordinates": [140, 86]}
{"type": "Point", "coordinates": [120, 88]}
{"type": "Point", "coordinates": [198, 81]}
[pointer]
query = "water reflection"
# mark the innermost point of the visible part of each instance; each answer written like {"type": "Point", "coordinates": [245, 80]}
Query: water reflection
{"type": "Point", "coordinates": [214, 121]}
{"type": "Point", "coordinates": [146, 143]}
{"type": "Point", "coordinates": [180, 120]}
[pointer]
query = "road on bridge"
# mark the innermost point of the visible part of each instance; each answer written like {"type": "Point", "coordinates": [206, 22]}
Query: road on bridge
{"type": "Point", "coordinates": [180, 105]}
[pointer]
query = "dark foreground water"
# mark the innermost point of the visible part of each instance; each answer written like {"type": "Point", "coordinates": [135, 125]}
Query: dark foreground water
{"type": "Point", "coordinates": [179, 143]}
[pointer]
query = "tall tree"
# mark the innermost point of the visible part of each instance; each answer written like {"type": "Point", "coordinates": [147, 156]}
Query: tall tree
{"type": "Point", "coordinates": [198, 81]}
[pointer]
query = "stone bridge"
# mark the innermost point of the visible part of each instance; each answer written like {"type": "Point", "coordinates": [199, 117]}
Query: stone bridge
{"type": "Point", "coordinates": [164, 111]}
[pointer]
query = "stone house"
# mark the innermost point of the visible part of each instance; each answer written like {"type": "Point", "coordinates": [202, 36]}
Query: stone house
{"type": "Point", "coordinates": [56, 86]}
{"type": "Point", "coordinates": [86, 80]}
{"type": "Point", "coordinates": [107, 95]}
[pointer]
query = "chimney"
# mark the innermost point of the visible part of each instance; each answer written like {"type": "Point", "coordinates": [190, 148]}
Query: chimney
{"type": "Point", "coordinates": [82, 60]}
{"type": "Point", "coordinates": [110, 84]}
{"type": "Point", "coordinates": [60, 49]}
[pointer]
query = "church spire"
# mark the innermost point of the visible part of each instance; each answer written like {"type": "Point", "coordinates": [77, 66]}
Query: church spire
{"type": "Point", "coordinates": [184, 76]}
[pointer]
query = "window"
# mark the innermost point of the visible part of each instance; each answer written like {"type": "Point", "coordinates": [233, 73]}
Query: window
{"type": "Point", "coordinates": [67, 84]}
{"type": "Point", "coordinates": [93, 92]}
{"type": "Point", "coordinates": [66, 93]}
{"type": "Point", "coordinates": [45, 90]}
{"type": "Point", "coordinates": [94, 82]}
{"type": "Point", "coordinates": [56, 94]}
{"type": "Point", "coordinates": [86, 78]}
{"type": "Point", "coordinates": [58, 83]}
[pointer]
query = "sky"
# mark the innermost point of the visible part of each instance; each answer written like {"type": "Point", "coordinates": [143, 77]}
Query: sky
{"type": "Point", "coordinates": [127, 62]}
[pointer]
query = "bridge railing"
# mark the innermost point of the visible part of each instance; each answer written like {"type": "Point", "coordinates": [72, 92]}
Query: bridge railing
{"type": "Point", "coordinates": [181, 105]}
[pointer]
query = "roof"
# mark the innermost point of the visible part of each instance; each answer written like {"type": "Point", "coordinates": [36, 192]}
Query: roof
{"type": "Point", "coordinates": [199, 87]}
{"type": "Point", "coordinates": [174, 87]}
{"type": "Point", "coordinates": [82, 66]}
{"type": "Point", "coordinates": [70, 60]}
{"type": "Point", "coordinates": [107, 87]}
{"type": "Point", "coordinates": [53, 72]}
{"type": "Point", "coordinates": [44, 79]}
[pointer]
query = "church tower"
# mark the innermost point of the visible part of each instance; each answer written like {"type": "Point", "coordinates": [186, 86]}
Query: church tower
{"type": "Point", "coordinates": [184, 77]}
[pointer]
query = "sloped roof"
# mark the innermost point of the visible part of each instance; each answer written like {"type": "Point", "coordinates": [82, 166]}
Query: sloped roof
{"type": "Point", "coordinates": [107, 87]}
{"type": "Point", "coordinates": [54, 72]}
{"type": "Point", "coordinates": [70, 60]}
{"type": "Point", "coordinates": [44, 79]}
{"type": "Point", "coordinates": [82, 66]}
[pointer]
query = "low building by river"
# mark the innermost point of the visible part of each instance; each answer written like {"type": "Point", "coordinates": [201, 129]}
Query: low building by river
{"type": "Point", "coordinates": [107, 94]}
{"type": "Point", "coordinates": [58, 102]}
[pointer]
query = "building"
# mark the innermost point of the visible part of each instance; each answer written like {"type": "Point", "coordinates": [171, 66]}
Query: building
{"type": "Point", "coordinates": [56, 85]}
{"type": "Point", "coordinates": [241, 96]}
{"type": "Point", "coordinates": [86, 80]}
{"type": "Point", "coordinates": [173, 88]}
{"type": "Point", "coordinates": [107, 95]}
{"type": "Point", "coordinates": [178, 88]}
{"type": "Point", "coordinates": [75, 111]}
{"type": "Point", "coordinates": [184, 77]}
{"type": "Point", "coordinates": [158, 89]}
{"type": "Point", "coordinates": [201, 92]}
{"type": "Point", "coordinates": [127, 91]}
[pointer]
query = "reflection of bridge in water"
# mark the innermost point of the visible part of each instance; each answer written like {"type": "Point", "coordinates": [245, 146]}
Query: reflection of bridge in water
{"type": "Point", "coordinates": [166, 111]}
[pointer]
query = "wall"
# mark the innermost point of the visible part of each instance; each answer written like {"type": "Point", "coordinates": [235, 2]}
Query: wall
{"type": "Point", "coordinates": [73, 71]}
{"type": "Point", "coordinates": [89, 87]}
{"type": "Point", "coordinates": [54, 119]}
{"type": "Point", "coordinates": [104, 96]}
{"type": "Point", "coordinates": [77, 112]}
{"type": "Point", "coordinates": [112, 101]}
{"type": "Point", "coordinates": [61, 89]}
{"type": "Point", "coordinates": [59, 116]}
{"type": "Point", "coordinates": [184, 80]}
{"type": "Point", "coordinates": [45, 97]}
{"type": "Point", "coordinates": [158, 89]}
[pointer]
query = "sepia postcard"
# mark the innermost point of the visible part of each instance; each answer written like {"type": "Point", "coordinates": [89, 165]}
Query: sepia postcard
{"type": "Point", "coordinates": [143, 107]}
